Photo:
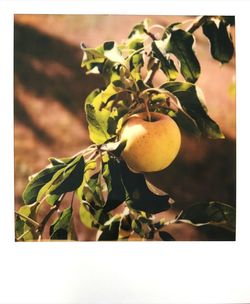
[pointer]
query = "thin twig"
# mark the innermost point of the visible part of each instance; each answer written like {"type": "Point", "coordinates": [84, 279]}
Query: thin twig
{"type": "Point", "coordinates": [28, 219]}
{"type": "Point", "coordinates": [22, 235]}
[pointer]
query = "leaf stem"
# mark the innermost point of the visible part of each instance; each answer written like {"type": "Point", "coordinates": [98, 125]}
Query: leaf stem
{"type": "Point", "coordinates": [27, 219]}
{"type": "Point", "coordinates": [22, 235]}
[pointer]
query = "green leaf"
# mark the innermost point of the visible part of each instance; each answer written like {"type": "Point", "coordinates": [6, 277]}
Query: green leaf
{"type": "Point", "coordinates": [137, 227]}
{"type": "Point", "coordinates": [71, 177]}
{"type": "Point", "coordinates": [86, 217]}
{"type": "Point", "coordinates": [38, 181]}
{"type": "Point", "coordinates": [61, 161]}
{"type": "Point", "coordinates": [52, 199]}
{"type": "Point", "coordinates": [167, 64]}
{"type": "Point", "coordinates": [116, 191]}
{"type": "Point", "coordinates": [67, 179]}
{"type": "Point", "coordinates": [110, 232]}
{"type": "Point", "coordinates": [221, 44]}
{"type": "Point", "coordinates": [211, 213]}
{"type": "Point", "coordinates": [186, 123]}
{"type": "Point", "coordinates": [193, 104]}
{"type": "Point", "coordinates": [139, 197]}
{"type": "Point", "coordinates": [98, 115]}
{"type": "Point", "coordinates": [139, 29]}
{"type": "Point", "coordinates": [60, 228]}
{"type": "Point", "coordinates": [165, 236]}
{"type": "Point", "coordinates": [135, 43]}
{"type": "Point", "coordinates": [93, 60]}
{"type": "Point", "coordinates": [26, 230]}
{"type": "Point", "coordinates": [180, 43]}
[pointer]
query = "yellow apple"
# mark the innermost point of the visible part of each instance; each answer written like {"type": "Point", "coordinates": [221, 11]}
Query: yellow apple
{"type": "Point", "coordinates": [151, 145]}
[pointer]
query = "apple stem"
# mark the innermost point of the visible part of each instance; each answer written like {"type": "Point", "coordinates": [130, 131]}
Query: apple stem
{"type": "Point", "coordinates": [147, 109]}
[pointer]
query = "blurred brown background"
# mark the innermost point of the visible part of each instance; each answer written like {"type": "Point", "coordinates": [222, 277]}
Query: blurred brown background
{"type": "Point", "coordinates": [50, 88]}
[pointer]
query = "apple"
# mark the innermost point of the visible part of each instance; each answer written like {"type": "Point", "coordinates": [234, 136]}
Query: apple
{"type": "Point", "coordinates": [151, 145]}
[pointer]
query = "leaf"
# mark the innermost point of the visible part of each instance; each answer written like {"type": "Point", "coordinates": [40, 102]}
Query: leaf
{"type": "Point", "coordinates": [61, 161]}
{"type": "Point", "coordinates": [167, 64]}
{"type": "Point", "coordinates": [137, 227]}
{"type": "Point", "coordinates": [72, 177]}
{"type": "Point", "coordinates": [25, 229]}
{"type": "Point", "coordinates": [99, 115]}
{"type": "Point", "coordinates": [60, 228]}
{"type": "Point", "coordinates": [135, 43]}
{"type": "Point", "coordinates": [67, 179]}
{"type": "Point", "coordinates": [37, 182]}
{"type": "Point", "coordinates": [165, 236]}
{"type": "Point", "coordinates": [52, 199]}
{"type": "Point", "coordinates": [116, 191]}
{"type": "Point", "coordinates": [115, 147]}
{"type": "Point", "coordinates": [92, 191]}
{"type": "Point", "coordinates": [180, 43]}
{"type": "Point", "coordinates": [221, 44]}
{"type": "Point", "coordinates": [186, 123]}
{"type": "Point", "coordinates": [110, 232]}
{"type": "Point", "coordinates": [139, 197]}
{"type": "Point", "coordinates": [97, 120]}
{"type": "Point", "coordinates": [86, 217]}
{"type": "Point", "coordinates": [112, 52]}
{"type": "Point", "coordinates": [153, 188]}
{"type": "Point", "coordinates": [93, 60]}
{"type": "Point", "coordinates": [193, 104]}
{"type": "Point", "coordinates": [139, 29]}
{"type": "Point", "coordinates": [211, 213]}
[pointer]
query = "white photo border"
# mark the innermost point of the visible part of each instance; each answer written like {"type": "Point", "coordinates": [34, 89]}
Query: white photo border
{"type": "Point", "coordinates": [148, 272]}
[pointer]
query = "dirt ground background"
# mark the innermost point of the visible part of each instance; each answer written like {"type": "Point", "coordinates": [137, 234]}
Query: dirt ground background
{"type": "Point", "coordinates": [50, 89]}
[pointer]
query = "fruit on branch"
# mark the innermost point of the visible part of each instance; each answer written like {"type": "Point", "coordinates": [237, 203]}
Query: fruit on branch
{"type": "Point", "coordinates": [151, 145]}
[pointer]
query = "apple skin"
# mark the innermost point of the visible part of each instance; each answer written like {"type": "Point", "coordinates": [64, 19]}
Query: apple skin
{"type": "Point", "coordinates": [151, 145]}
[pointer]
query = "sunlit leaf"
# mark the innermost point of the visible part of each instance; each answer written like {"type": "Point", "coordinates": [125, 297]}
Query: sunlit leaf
{"type": "Point", "coordinates": [93, 60]}
{"type": "Point", "coordinates": [98, 114]}
{"type": "Point", "coordinates": [112, 52]}
{"type": "Point", "coordinates": [25, 229]}
{"type": "Point", "coordinates": [115, 148]}
{"type": "Point", "coordinates": [139, 29]}
{"type": "Point", "coordinates": [86, 217]}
